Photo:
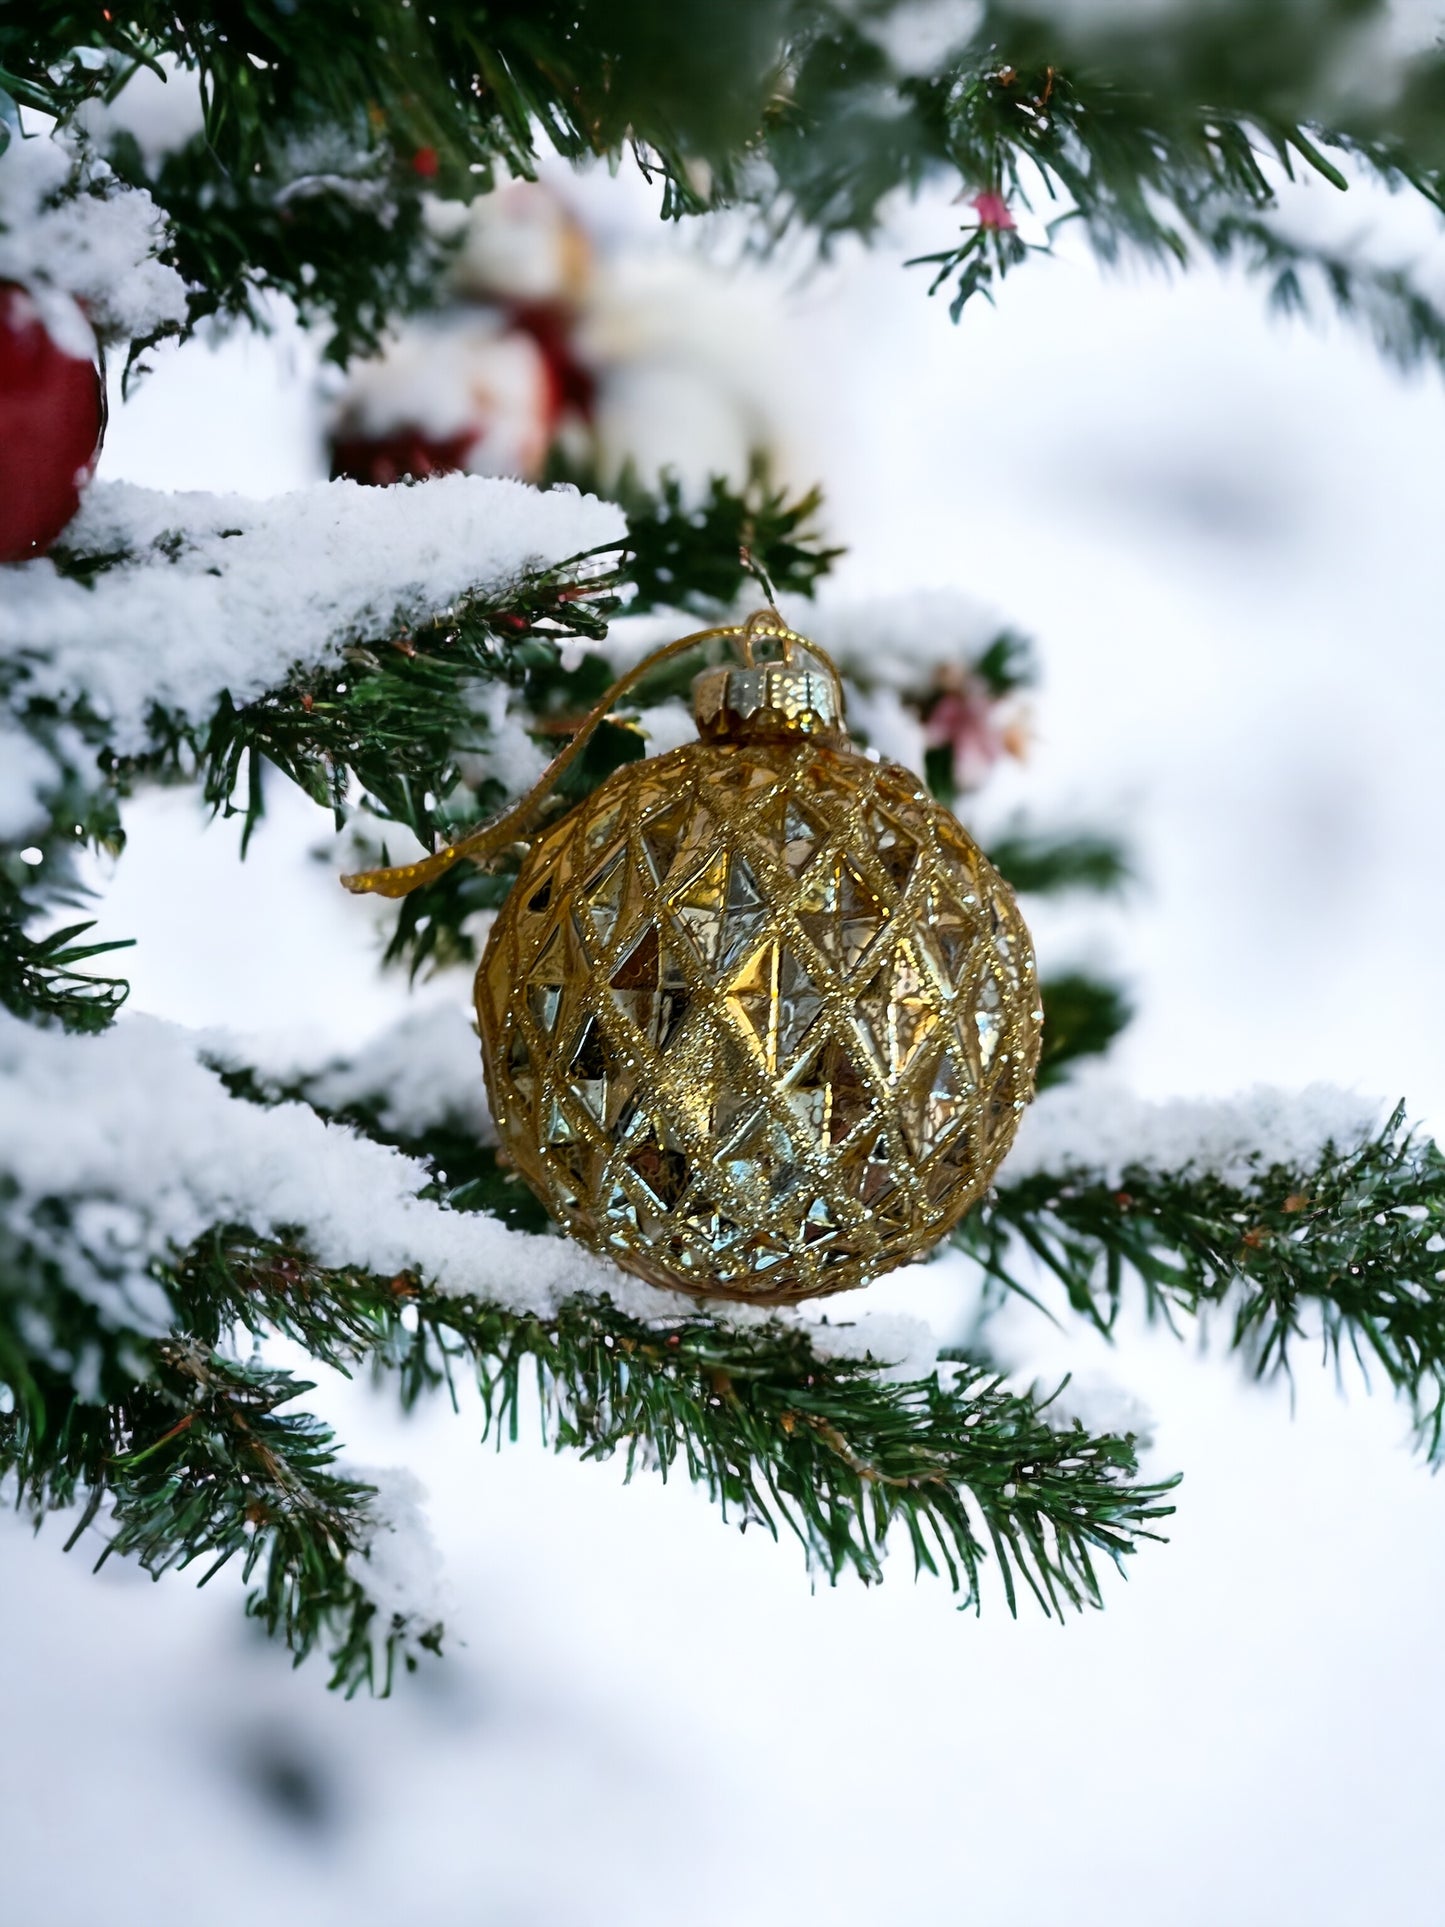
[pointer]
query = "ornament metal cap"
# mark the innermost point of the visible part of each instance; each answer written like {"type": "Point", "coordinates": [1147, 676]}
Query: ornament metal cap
{"type": "Point", "coordinates": [798, 695]}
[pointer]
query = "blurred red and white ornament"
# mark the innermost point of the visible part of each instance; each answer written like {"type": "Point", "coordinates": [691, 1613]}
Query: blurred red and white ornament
{"type": "Point", "coordinates": [468, 393]}
{"type": "Point", "coordinates": [489, 385]}
{"type": "Point", "coordinates": [523, 247]}
{"type": "Point", "coordinates": [52, 415]}
{"type": "Point", "coordinates": [650, 359]}
{"type": "Point", "coordinates": [686, 360]}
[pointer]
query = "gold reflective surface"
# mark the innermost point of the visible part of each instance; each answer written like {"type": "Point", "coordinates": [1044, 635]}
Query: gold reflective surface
{"type": "Point", "coordinates": [758, 1019]}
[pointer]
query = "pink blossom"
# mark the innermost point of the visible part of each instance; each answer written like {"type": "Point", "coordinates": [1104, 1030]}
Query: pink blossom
{"type": "Point", "coordinates": [993, 210]}
{"type": "Point", "coordinates": [968, 719]}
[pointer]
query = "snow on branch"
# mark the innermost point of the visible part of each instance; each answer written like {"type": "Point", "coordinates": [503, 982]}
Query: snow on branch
{"type": "Point", "coordinates": [124, 1149]}
{"type": "Point", "coordinates": [397, 1563]}
{"type": "Point", "coordinates": [420, 1073]}
{"type": "Point", "coordinates": [154, 1151]}
{"type": "Point", "coordinates": [1309, 1215]}
{"type": "Point", "coordinates": [1094, 1130]}
{"type": "Point", "coordinates": [68, 224]}
{"type": "Point", "coordinates": [221, 593]}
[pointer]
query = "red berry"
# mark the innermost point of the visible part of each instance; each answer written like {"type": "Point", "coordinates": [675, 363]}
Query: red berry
{"type": "Point", "coordinates": [424, 162]}
{"type": "Point", "coordinates": [50, 428]}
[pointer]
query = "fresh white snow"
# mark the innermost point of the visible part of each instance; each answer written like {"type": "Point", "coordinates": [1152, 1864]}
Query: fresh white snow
{"type": "Point", "coordinates": [70, 226]}
{"type": "Point", "coordinates": [399, 1565]}
{"type": "Point", "coordinates": [225, 593]}
{"type": "Point", "coordinates": [1094, 1129]}
{"type": "Point", "coordinates": [422, 1072]}
{"type": "Point", "coordinates": [142, 1140]}
{"type": "Point", "coordinates": [160, 107]}
{"type": "Point", "coordinates": [27, 771]}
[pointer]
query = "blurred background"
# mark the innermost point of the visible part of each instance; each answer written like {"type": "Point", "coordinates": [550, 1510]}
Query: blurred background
{"type": "Point", "coordinates": [1224, 533]}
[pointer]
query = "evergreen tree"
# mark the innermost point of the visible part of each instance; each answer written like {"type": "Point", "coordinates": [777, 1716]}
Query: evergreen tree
{"type": "Point", "coordinates": [388, 650]}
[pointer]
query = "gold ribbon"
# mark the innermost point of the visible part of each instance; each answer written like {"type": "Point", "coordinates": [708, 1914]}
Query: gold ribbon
{"type": "Point", "coordinates": [483, 846]}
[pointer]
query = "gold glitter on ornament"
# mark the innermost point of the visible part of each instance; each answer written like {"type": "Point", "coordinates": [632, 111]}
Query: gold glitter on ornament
{"type": "Point", "coordinates": [758, 1018]}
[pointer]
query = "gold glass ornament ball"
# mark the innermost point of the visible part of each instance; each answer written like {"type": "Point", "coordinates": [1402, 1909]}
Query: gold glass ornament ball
{"type": "Point", "coordinates": [758, 1017]}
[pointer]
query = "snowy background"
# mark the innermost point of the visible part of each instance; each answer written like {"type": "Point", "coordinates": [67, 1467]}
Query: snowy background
{"type": "Point", "coordinates": [1225, 535]}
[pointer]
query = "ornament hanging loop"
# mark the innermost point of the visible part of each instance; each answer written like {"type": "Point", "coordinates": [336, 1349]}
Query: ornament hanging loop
{"type": "Point", "coordinates": [486, 845]}
{"type": "Point", "coordinates": [767, 623]}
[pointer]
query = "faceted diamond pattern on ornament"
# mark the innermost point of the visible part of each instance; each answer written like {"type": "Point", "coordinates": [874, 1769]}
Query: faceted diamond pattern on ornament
{"type": "Point", "coordinates": [661, 835]}
{"type": "Point", "coordinates": [497, 981]}
{"type": "Point", "coordinates": [937, 1108]}
{"type": "Point", "coordinates": [700, 908]}
{"type": "Point", "coordinates": [722, 909]}
{"type": "Point", "coordinates": [764, 1160]}
{"type": "Point", "coordinates": [600, 828]}
{"type": "Point", "coordinates": [602, 895]}
{"type": "Point", "coordinates": [988, 1018]}
{"type": "Point", "coordinates": [819, 1222]}
{"type": "Point", "coordinates": [951, 1168]}
{"type": "Point", "coordinates": [894, 849]}
{"type": "Point", "coordinates": [661, 1167]}
{"type": "Point", "coordinates": [602, 1081]}
{"type": "Point", "coordinates": [710, 1229]}
{"type": "Point", "coordinates": [792, 832]}
{"type": "Point", "coordinates": [701, 838]}
{"type": "Point", "coordinates": [827, 1097]}
{"type": "Point", "coordinates": [1001, 942]}
{"type": "Point", "coordinates": [899, 1008]}
{"type": "Point", "coordinates": [756, 1021]}
{"type": "Point", "coordinates": [650, 988]}
{"type": "Point", "coordinates": [724, 1088]}
{"type": "Point", "coordinates": [839, 913]}
{"type": "Point", "coordinates": [774, 1002]}
{"type": "Point", "coordinates": [546, 981]}
{"type": "Point", "coordinates": [744, 773]}
{"type": "Point", "coordinates": [519, 1065]}
{"type": "Point", "coordinates": [949, 936]}
{"type": "Point", "coordinates": [1003, 1102]}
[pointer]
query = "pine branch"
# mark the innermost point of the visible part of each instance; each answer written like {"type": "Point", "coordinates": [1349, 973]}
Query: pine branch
{"type": "Point", "coordinates": [777, 1434]}
{"type": "Point", "coordinates": [1406, 325]}
{"type": "Point", "coordinates": [46, 979]}
{"type": "Point", "coordinates": [1349, 1251]}
{"type": "Point", "coordinates": [466, 86]}
{"type": "Point", "coordinates": [686, 553]}
{"type": "Point", "coordinates": [40, 977]}
{"type": "Point", "coordinates": [398, 718]}
{"type": "Point", "coordinates": [114, 1341]}
{"type": "Point", "coordinates": [399, 715]}
{"type": "Point", "coordinates": [394, 720]}
{"type": "Point", "coordinates": [1082, 1017]}
{"type": "Point", "coordinates": [198, 1462]}
{"type": "Point", "coordinates": [326, 124]}
{"type": "Point", "coordinates": [330, 221]}
{"type": "Point", "coordinates": [403, 722]}
{"type": "Point", "coordinates": [1168, 138]}
{"type": "Point", "coordinates": [1046, 862]}
{"type": "Point", "coordinates": [826, 1447]}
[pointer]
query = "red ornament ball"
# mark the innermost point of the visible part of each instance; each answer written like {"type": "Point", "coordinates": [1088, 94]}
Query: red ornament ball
{"type": "Point", "coordinates": [51, 418]}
